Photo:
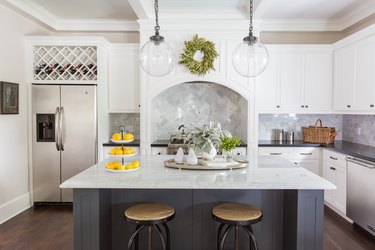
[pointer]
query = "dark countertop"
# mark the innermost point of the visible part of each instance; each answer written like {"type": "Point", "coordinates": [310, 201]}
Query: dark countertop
{"type": "Point", "coordinates": [296, 143]}
{"type": "Point", "coordinates": [134, 143]}
{"type": "Point", "coordinates": [164, 143]}
{"type": "Point", "coordinates": [353, 149]}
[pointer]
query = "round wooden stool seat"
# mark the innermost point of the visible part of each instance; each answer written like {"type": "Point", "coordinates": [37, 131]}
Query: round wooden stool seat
{"type": "Point", "coordinates": [237, 213]}
{"type": "Point", "coordinates": [149, 212]}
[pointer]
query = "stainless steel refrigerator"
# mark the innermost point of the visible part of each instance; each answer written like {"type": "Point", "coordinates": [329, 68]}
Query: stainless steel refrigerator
{"type": "Point", "coordinates": [64, 137]}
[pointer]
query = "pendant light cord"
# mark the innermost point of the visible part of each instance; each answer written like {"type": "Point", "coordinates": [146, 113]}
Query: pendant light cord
{"type": "Point", "coordinates": [251, 18]}
{"type": "Point", "coordinates": [157, 27]}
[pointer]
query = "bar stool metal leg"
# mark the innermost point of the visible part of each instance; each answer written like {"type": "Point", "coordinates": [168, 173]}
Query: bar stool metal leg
{"type": "Point", "coordinates": [237, 237]}
{"type": "Point", "coordinates": [253, 241]}
{"type": "Point", "coordinates": [225, 234]}
{"type": "Point", "coordinates": [161, 236]}
{"type": "Point", "coordinates": [131, 241]}
{"type": "Point", "coordinates": [136, 243]}
{"type": "Point", "coordinates": [168, 236]}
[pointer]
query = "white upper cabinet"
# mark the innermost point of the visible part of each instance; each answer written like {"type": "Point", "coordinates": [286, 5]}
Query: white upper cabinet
{"type": "Point", "coordinates": [297, 81]}
{"type": "Point", "coordinates": [354, 76]}
{"type": "Point", "coordinates": [123, 78]}
{"type": "Point", "coordinates": [318, 82]}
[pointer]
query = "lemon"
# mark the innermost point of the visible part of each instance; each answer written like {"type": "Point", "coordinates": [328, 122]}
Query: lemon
{"type": "Point", "coordinates": [127, 151]}
{"type": "Point", "coordinates": [122, 167]}
{"type": "Point", "coordinates": [131, 150]}
{"type": "Point", "coordinates": [136, 164]}
{"type": "Point", "coordinates": [116, 136]}
{"type": "Point", "coordinates": [119, 152]}
{"type": "Point", "coordinates": [128, 137]}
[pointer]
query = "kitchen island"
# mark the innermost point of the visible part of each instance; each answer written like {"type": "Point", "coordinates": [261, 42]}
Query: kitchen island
{"type": "Point", "coordinates": [291, 199]}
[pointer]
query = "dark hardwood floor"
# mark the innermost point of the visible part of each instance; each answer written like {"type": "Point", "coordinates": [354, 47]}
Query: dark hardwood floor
{"type": "Point", "coordinates": [51, 227]}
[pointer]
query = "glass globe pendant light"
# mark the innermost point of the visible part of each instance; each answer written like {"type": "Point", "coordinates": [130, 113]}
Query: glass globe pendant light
{"type": "Point", "coordinates": [156, 57]}
{"type": "Point", "coordinates": [250, 58]}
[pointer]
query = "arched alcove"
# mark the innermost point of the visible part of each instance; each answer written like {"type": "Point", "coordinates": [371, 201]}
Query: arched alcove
{"type": "Point", "coordinates": [195, 104]}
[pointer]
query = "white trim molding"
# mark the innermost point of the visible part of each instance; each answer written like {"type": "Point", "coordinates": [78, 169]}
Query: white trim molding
{"type": "Point", "coordinates": [14, 207]}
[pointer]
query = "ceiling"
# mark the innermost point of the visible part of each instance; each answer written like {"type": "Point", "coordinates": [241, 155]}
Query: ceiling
{"type": "Point", "coordinates": [122, 15]}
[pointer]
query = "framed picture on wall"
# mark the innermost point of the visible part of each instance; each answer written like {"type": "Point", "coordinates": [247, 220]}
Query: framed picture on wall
{"type": "Point", "coordinates": [9, 95]}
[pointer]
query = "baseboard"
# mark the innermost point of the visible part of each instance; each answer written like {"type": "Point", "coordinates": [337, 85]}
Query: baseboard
{"type": "Point", "coordinates": [333, 208]}
{"type": "Point", "coordinates": [14, 207]}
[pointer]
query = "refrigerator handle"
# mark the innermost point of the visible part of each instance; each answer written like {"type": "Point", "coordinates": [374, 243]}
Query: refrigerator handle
{"type": "Point", "coordinates": [57, 121]}
{"type": "Point", "coordinates": [61, 129]}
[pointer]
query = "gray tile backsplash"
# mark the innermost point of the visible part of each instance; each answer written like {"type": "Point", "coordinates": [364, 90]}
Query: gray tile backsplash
{"type": "Point", "coordinates": [359, 129]}
{"type": "Point", "coordinates": [130, 121]}
{"type": "Point", "coordinates": [196, 104]}
{"type": "Point", "coordinates": [294, 122]}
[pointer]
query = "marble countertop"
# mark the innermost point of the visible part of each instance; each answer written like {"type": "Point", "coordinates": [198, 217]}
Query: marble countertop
{"type": "Point", "coordinates": [295, 143]}
{"type": "Point", "coordinates": [262, 173]}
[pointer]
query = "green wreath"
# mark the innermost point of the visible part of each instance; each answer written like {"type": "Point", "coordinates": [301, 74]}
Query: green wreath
{"type": "Point", "coordinates": [202, 67]}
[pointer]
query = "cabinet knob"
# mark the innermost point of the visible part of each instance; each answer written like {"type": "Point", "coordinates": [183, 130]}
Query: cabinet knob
{"type": "Point", "coordinates": [371, 105]}
{"type": "Point", "coordinates": [159, 153]}
{"type": "Point", "coordinates": [348, 106]}
{"type": "Point", "coordinates": [302, 106]}
{"type": "Point", "coordinates": [139, 105]}
{"type": "Point", "coordinates": [278, 106]}
{"type": "Point", "coordinates": [306, 106]}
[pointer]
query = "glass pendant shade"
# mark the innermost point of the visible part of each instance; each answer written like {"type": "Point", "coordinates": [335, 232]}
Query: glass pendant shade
{"type": "Point", "coordinates": [157, 58]}
{"type": "Point", "coordinates": [250, 59]}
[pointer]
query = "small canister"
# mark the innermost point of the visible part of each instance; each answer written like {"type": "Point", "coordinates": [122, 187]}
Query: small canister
{"type": "Point", "coordinates": [289, 136]}
{"type": "Point", "coordinates": [279, 134]}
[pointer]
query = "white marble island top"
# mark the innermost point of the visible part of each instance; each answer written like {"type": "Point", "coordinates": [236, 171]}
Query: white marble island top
{"type": "Point", "coordinates": [262, 173]}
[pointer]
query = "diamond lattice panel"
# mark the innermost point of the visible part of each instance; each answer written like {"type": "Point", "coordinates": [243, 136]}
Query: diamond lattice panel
{"type": "Point", "coordinates": [65, 63]}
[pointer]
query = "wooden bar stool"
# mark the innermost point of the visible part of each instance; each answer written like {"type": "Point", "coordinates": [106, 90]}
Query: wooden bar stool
{"type": "Point", "coordinates": [150, 215]}
{"type": "Point", "coordinates": [236, 215]}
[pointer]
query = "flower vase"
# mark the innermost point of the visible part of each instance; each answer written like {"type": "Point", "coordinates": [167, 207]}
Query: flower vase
{"type": "Point", "coordinates": [228, 155]}
{"type": "Point", "coordinates": [211, 154]}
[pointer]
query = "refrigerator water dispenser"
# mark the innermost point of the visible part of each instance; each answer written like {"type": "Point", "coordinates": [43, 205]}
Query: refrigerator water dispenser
{"type": "Point", "coordinates": [45, 126]}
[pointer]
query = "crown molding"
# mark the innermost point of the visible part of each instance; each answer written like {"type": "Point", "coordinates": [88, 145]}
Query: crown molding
{"type": "Point", "coordinates": [357, 14]}
{"type": "Point", "coordinates": [144, 9]}
{"type": "Point", "coordinates": [298, 25]}
{"type": "Point", "coordinates": [40, 13]}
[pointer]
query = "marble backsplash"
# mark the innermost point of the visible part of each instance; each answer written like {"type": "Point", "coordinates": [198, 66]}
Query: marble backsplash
{"type": "Point", "coordinates": [196, 104]}
{"type": "Point", "coordinates": [130, 121]}
{"type": "Point", "coordinates": [359, 129]}
{"type": "Point", "coordinates": [294, 122]}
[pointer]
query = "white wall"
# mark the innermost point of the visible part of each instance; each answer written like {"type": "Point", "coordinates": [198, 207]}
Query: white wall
{"type": "Point", "coordinates": [14, 180]}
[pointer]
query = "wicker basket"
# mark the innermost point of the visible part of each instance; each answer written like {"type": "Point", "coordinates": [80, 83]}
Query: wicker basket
{"type": "Point", "coordinates": [318, 134]}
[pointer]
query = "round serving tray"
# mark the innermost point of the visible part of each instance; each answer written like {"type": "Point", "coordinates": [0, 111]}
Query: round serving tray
{"type": "Point", "coordinates": [121, 141]}
{"type": "Point", "coordinates": [237, 164]}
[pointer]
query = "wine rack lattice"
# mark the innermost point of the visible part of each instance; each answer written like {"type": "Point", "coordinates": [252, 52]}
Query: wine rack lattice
{"type": "Point", "coordinates": [65, 63]}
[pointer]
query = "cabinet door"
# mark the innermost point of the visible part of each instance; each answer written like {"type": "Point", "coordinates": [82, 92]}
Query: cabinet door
{"type": "Point", "coordinates": [318, 82]}
{"type": "Point", "coordinates": [291, 82]}
{"type": "Point", "coordinates": [364, 74]}
{"type": "Point", "coordinates": [340, 192]}
{"type": "Point", "coordinates": [123, 79]}
{"type": "Point", "coordinates": [329, 175]}
{"type": "Point", "coordinates": [267, 88]}
{"type": "Point", "coordinates": [344, 61]}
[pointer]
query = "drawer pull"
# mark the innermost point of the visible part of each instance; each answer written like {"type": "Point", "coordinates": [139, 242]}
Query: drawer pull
{"type": "Point", "coordinates": [333, 158]}
{"type": "Point", "coordinates": [276, 153]}
{"type": "Point", "coordinates": [305, 153]}
{"type": "Point", "coordinates": [332, 168]}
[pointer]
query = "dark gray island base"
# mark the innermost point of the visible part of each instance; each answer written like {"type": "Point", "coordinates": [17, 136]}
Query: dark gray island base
{"type": "Point", "coordinates": [293, 219]}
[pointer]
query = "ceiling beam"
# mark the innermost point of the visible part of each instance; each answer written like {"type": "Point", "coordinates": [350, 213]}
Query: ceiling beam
{"type": "Point", "coordinates": [142, 8]}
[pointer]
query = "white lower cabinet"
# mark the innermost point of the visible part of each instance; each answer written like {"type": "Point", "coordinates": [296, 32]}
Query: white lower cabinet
{"type": "Point", "coordinates": [334, 170]}
{"type": "Point", "coordinates": [306, 157]}
{"type": "Point", "coordinates": [106, 150]}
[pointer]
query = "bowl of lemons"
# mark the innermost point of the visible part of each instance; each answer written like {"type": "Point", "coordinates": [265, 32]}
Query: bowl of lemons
{"type": "Point", "coordinates": [122, 152]}
{"type": "Point", "coordinates": [119, 138]}
{"type": "Point", "coordinates": [117, 167]}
